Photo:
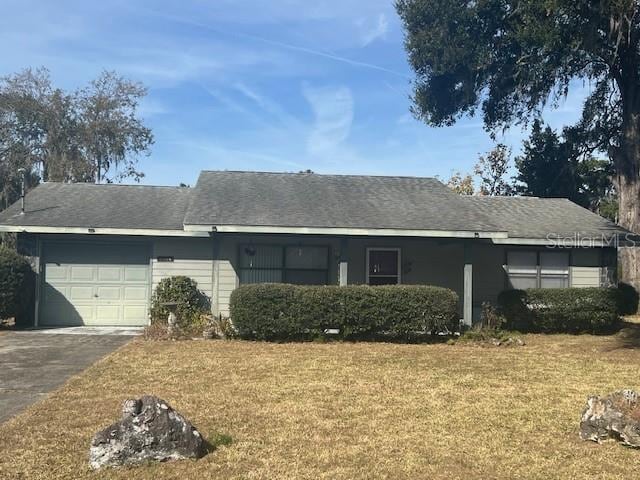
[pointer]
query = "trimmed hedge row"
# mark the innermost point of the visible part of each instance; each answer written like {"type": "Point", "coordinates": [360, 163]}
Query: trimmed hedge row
{"type": "Point", "coordinates": [292, 312]}
{"type": "Point", "coordinates": [561, 310]}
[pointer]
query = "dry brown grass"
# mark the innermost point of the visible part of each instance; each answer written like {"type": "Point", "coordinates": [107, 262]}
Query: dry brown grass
{"type": "Point", "coordinates": [345, 411]}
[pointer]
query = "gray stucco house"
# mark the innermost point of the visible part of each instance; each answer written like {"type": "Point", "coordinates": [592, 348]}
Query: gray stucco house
{"type": "Point", "coordinates": [99, 250]}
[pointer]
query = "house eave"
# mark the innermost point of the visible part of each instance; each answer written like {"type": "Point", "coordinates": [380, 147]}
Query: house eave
{"type": "Point", "coordinates": [101, 231]}
{"type": "Point", "coordinates": [344, 231]}
{"type": "Point", "coordinates": [552, 242]}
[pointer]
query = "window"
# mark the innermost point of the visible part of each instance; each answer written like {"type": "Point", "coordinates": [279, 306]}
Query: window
{"type": "Point", "coordinates": [554, 270]}
{"type": "Point", "coordinates": [302, 265]}
{"type": "Point", "coordinates": [523, 269]}
{"type": "Point", "coordinates": [538, 270]}
{"type": "Point", "coordinates": [383, 266]}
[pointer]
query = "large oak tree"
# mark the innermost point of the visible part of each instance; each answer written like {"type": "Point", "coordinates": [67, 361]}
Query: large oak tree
{"type": "Point", "coordinates": [509, 59]}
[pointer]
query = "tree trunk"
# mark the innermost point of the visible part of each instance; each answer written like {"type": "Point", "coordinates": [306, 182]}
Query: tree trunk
{"type": "Point", "coordinates": [627, 160]}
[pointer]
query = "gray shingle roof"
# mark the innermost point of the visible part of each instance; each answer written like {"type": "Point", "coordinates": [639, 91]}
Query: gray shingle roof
{"type": "Point", "coordinates": [101, 206]}
{"type": "Point", "coordinates": [532, 217]}
{"type": "Point", "coordinates": [302, 200]}
{"type": "Point", "coordinates": [312, 200]}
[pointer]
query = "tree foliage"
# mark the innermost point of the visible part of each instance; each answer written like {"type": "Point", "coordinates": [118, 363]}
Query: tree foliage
{"type": "Point", "coordinates": [462, 185]}
{"type": "Point", "coordinates": [492, 170]}
{"type": "Point", "coordinates": [512, 57]}
{"type": "Point", "coordinates": [90, 134]}
{"type": "Point", "coordinates": [553, 165]}
{"type": "Point", "coordinates": [509, 59]}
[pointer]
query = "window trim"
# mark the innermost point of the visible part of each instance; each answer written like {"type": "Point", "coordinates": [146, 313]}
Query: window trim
{"type": "Point", "coordinates": [538, 266]}
{"type": "Point", "coordinates": [283, 268]}
{"type": "Point", "coordinates": [383, 249]}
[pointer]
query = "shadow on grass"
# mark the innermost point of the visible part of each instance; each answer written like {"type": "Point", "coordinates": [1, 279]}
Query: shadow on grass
{"type": "Point", "coordinates": [379, 338]}
{"type": "Point", "coordinates": [629, 335]}
{"type": "Point", "coordinates": [216, 441]}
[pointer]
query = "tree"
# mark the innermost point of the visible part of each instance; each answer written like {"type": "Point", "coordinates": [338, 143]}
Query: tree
{"type": "Point", "coordinates": [511, 58]}
{"type": "Point", "coordinates": [112, 135]}
{"type": "Point", "coordinates": [553, 165]}
{"type": "Point", "coordinates": [462, 185]}
{"type": "Point", "coordinates": [91, 134]}
{"type": "Point", "coordinates": [545, 168]}
{"type": "Point", "coordinates": [492, 169]}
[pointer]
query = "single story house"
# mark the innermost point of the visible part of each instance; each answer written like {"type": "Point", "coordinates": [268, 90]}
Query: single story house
{"type": "Point", "coordinates": [99, 250]}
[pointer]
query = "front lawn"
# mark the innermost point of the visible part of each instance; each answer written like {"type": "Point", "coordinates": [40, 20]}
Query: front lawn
{"type": "Point", "coordinates": [345, 411]}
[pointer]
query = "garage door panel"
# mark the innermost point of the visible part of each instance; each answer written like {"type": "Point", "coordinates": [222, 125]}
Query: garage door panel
{"type": "Point", "coordinates": [82, 273]}
{"type": "Point", "coordinates": [57, 272]}
{"type": "Point", "coordinates": [63, 313]}
{"type": "Point", "coordinates": [109, 293]}
{"type": "Point", "coordinates": [95, 284]}
{"type": "Point", "coordinates": [108, 314]}
{"type": "Point", "coordinates": [136, 274]}
{"type": "Point", "coordinates": [132, 312]}
{"type": "Point", "coordinates": [135, 293]}
{"type": "Point", "coordinates": [110, 273]}
{"type": "Point", "coordinates": [79, 293]}
{"type": "Point", "coordinates": [53, 294]}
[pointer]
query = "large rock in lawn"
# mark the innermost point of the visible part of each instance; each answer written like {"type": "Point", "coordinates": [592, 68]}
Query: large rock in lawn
{"type": "Point", "coordinates": [616, 416]}
{"type": "Point", "coordinates": [149, 430]}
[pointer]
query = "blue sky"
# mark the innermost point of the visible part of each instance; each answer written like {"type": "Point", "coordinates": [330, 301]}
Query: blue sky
{"type": "Point", "coordinates": [273, 85]}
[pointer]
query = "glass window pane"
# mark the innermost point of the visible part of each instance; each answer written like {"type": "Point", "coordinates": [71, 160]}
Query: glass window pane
{"type": "Point", "coordinates": [554, 262]}
{"type": "Point", "coordinates": [522, 282]}
{"type": "Point", "coordinates": [260, 256]}
{"type": "Point", "coordinates": [260, 276]}
{"type": "Point", "coordinates": [554, 281]}
{"type": "Point", "coordinates": [522, 262]}
{"type": "Point", "coordinates": [383, 262]}
{"type": "Point", "coordinates": [306, 277]}
{"type": "Point", "coordinates": [307, 257]}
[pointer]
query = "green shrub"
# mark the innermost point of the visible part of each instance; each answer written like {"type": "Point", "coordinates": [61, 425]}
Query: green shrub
{"type": "Point", "coordinates": [16, 286]}
{"type": "Point", "coordinates": [567, 310]}
{"type": "Point", "coordinates": [291, 312]}
{"type": "Point", "coordinates": [192, 303]}
{"type": "Point", "coordinates": [627, 299]}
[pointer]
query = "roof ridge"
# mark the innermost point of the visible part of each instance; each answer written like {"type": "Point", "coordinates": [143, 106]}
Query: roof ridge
{"type": "Point", "coordinates": [415, 177]}
{"type": "Point", "coordinates": [517, 197]}
{"type": "Point", "coordinates": [111, 185]}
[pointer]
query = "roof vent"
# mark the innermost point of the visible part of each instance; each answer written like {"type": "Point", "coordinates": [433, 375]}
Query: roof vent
{"type": "Point", "coordinates": [23, 174]}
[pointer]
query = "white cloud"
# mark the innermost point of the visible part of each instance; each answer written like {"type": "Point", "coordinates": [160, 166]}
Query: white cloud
{"type": "Point", "coordinates": [269, 106]}
{"type": "Point", "coordinates": [370, 33]}
{"type": "Point", "coordinates": [333, 112]}
{"type": "Point", "coordinates": [150, 106]}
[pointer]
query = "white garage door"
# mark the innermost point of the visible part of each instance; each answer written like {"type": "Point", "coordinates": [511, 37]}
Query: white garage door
{"type": "Point", "coordinates": [95, 284]}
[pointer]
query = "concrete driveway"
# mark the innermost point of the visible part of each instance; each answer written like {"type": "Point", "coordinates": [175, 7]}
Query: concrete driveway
{"type": "Point", "coordinates": [32, 363]}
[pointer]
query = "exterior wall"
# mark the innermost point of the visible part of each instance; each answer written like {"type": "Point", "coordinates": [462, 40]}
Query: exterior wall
{"type": "Point", "coordinates": [489, 274]}
{"type": "Point", "coordinates": [192, 257]}
{"type": "Point", "coordinates": [213, 262]}
{"type": "Point", "coordinates": [437, 262]}
{"type": "Point", "coordinates": [423, 261]}
{"type": "Point", "coordinates": [225, 276]}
